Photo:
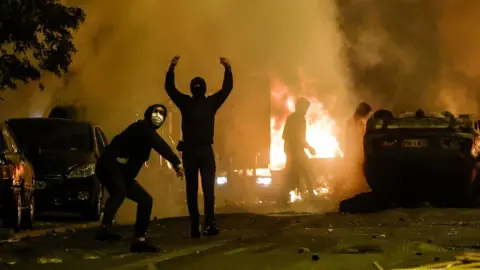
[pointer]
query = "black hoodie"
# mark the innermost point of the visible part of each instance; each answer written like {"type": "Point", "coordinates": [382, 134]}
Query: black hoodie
{"type": "Point", "coordinates": [136, 142]}
{"type": "Point", "coordinates": [198, 111]}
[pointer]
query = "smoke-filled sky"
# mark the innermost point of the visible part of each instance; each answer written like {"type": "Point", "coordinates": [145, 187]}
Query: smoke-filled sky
{"type": "Point", "coordinates": [406, 54]}
{"type": "Point", "coordinates": [125, 47]}
{"type": "Point", "coordinates": [396, 50]}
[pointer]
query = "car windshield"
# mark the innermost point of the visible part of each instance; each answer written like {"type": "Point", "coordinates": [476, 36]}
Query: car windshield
{"type": "Point", "coordinates": [52, 134]}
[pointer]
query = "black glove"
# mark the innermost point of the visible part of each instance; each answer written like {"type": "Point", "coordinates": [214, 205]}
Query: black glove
{"type": "Point", "coordinates": [174, 62]}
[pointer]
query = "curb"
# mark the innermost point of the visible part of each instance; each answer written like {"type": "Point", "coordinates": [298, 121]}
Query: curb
{"type": "Point", "coordinates": [42, 232]}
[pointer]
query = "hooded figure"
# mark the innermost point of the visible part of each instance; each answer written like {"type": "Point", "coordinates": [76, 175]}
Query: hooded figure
{"type": "Point", "coordinates": [119, 165]}
{"type": "Point", "coordinates": [294, 135]}
{"type": "Point", "coordinates": [198, 122]}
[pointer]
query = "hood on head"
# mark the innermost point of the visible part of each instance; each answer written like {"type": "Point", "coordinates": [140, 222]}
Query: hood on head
{"type": "Point", "coordinates": [363, 109]}
{"type": "Point", "coordinates": [151, 108]}
{"type": "Point", "coordinates": [198, 87]}
{"type": "Point", "coordinates": [302, 105]}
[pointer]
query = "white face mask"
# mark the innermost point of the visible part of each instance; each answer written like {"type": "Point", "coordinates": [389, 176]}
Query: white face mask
{"type": "Point", "coordinates": [157, 118]}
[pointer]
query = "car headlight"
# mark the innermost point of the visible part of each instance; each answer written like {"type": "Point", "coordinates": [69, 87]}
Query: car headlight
{"type": "Point", "coordinates": [82, 171]}
{"type": "Point", "coordinates": [221, 180]}
{"type": "Point", "coordinates": [266, 181]}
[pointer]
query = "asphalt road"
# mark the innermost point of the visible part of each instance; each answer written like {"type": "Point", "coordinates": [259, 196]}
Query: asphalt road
{"type": "Point", "coordinates": [399, 238]}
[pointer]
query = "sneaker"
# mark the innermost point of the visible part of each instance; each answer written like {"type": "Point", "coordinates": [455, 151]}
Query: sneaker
{"type": "Point", "coordinates": [105, 235]}
{"type": "Point", "coordinates": [210, 230]}
{"type": "Point", "coordinates": [141, 246]}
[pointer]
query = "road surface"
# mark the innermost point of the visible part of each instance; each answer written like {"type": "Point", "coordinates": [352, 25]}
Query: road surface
{"type": "Point", "coordinates": [398, 238]}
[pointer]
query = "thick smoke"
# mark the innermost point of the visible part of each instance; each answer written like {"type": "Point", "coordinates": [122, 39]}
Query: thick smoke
{"type": "Point", "coordinates": [460, 49]}
{"type": "Point", "coordinates": [413, 53]}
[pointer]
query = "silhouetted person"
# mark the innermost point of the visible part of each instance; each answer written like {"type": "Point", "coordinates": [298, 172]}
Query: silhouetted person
{"type": "Point", "coordinates": [119, 165]}
{"type": "Point", "coordinates": [198, 121]}
{"type": "Point", "coordinates": [294, 135]}
{"type": "Point", "coordinates": [353, 148]}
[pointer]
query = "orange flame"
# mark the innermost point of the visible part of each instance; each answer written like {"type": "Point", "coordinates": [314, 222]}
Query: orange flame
{"type": "Point", "coordinates": [320, 126]}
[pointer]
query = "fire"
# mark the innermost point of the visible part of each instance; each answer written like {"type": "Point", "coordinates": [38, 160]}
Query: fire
{"type": "Point", "coordinates": [320, 127]}
{"type": "Point", "coordinates": [295, 196]}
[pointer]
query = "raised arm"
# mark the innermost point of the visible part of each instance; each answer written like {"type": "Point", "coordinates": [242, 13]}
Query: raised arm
{"type": "Point", "coordinates": [219, 97]}
{"type": "Point", "coordinates": [177, 97]}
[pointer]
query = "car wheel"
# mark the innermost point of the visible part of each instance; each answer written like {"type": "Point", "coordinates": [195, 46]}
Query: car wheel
{"type": "Point", "coordinates": [474, 192]}
{"type": "Point", "coordinates": [94, 211]}
{"type": "Point", "coordinates": [13, 216]}
{"type": "Point", "coordinates": [27, 215]}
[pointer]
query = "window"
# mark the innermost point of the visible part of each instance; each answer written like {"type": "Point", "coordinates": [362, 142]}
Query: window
{"type": "Point", "coordinates": [411, 122]}
{"type": "Point", "coordinates": [11, 144]}
{"type": "Point", "coordinates": [3, 143]}
{"type": "Point", "coordinates": [424, 122]}
{"type": "Point", "coordinates": [104, 138]}
{"type": "Point", "coordinates": [100, 139]}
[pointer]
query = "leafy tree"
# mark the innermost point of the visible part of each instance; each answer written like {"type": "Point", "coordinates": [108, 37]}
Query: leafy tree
{"type": "Point", "coordinates": [35, 36]}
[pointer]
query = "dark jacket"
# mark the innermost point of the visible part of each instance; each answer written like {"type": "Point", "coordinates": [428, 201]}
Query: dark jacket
{"type": "Point", "coordinates": [294, 134]}
{"type": "Point", "coordinates": [135, 144]}
{"type": "Point", "coordinates": [198, 112]}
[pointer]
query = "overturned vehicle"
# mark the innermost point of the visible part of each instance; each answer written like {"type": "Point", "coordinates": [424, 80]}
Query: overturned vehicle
{"type": "Point", "coordinates": [419, 157]}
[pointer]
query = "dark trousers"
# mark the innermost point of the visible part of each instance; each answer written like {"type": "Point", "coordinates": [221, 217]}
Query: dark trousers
{"type": "Point", "coordinates": [119, 187]}
{"type": "Point", "coordinates": [297, 167]}
{"type": "Point", "coordinates": [200, 159]}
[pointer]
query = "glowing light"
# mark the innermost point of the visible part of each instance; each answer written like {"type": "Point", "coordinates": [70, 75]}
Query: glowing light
{"type": "Point", "coordinates": [36, 114]}
{"type": "Point", "coordinates": [221, 180]}
{"type": "Point", "coordinates": [266, 181]}
{"type": "Point", "coordinates": [295, 196]}
{"type": "Point", "coordinates": [320, 126]}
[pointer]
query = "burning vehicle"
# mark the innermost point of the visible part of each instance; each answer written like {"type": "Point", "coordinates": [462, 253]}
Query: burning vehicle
{"type": "Point", "coordinates": [418, 157]}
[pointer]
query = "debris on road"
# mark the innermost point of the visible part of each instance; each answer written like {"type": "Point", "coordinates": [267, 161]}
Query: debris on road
{"type": "Point", "coordinates": [303, 250]}
{"type": "Point", "coordinates": [90, 257]}
{"type": "Point", "coordinates": [467, 260]}
{"type": "Point", "coordinates": [10, 262]}
{"type": "Point", "coordinates": [357, 249]}
{"type": "Point", "coordinates": [71, 228]}
{"type": "Point", "coordinates": [13, 240]}
{"type": "Point", "coordinates": [377, 266]}
{"type": "Point", "coordinates": [45, 260]}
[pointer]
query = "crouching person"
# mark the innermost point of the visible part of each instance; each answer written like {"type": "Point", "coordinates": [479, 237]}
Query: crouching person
{"type": "Point", "coordinates": [119, 165]}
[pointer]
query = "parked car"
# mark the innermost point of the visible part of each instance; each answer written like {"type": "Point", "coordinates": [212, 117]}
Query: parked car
{"type": "Point", "coordinates": [17, 184]}
{"type": "Point", "coordinates": [64, 153]}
